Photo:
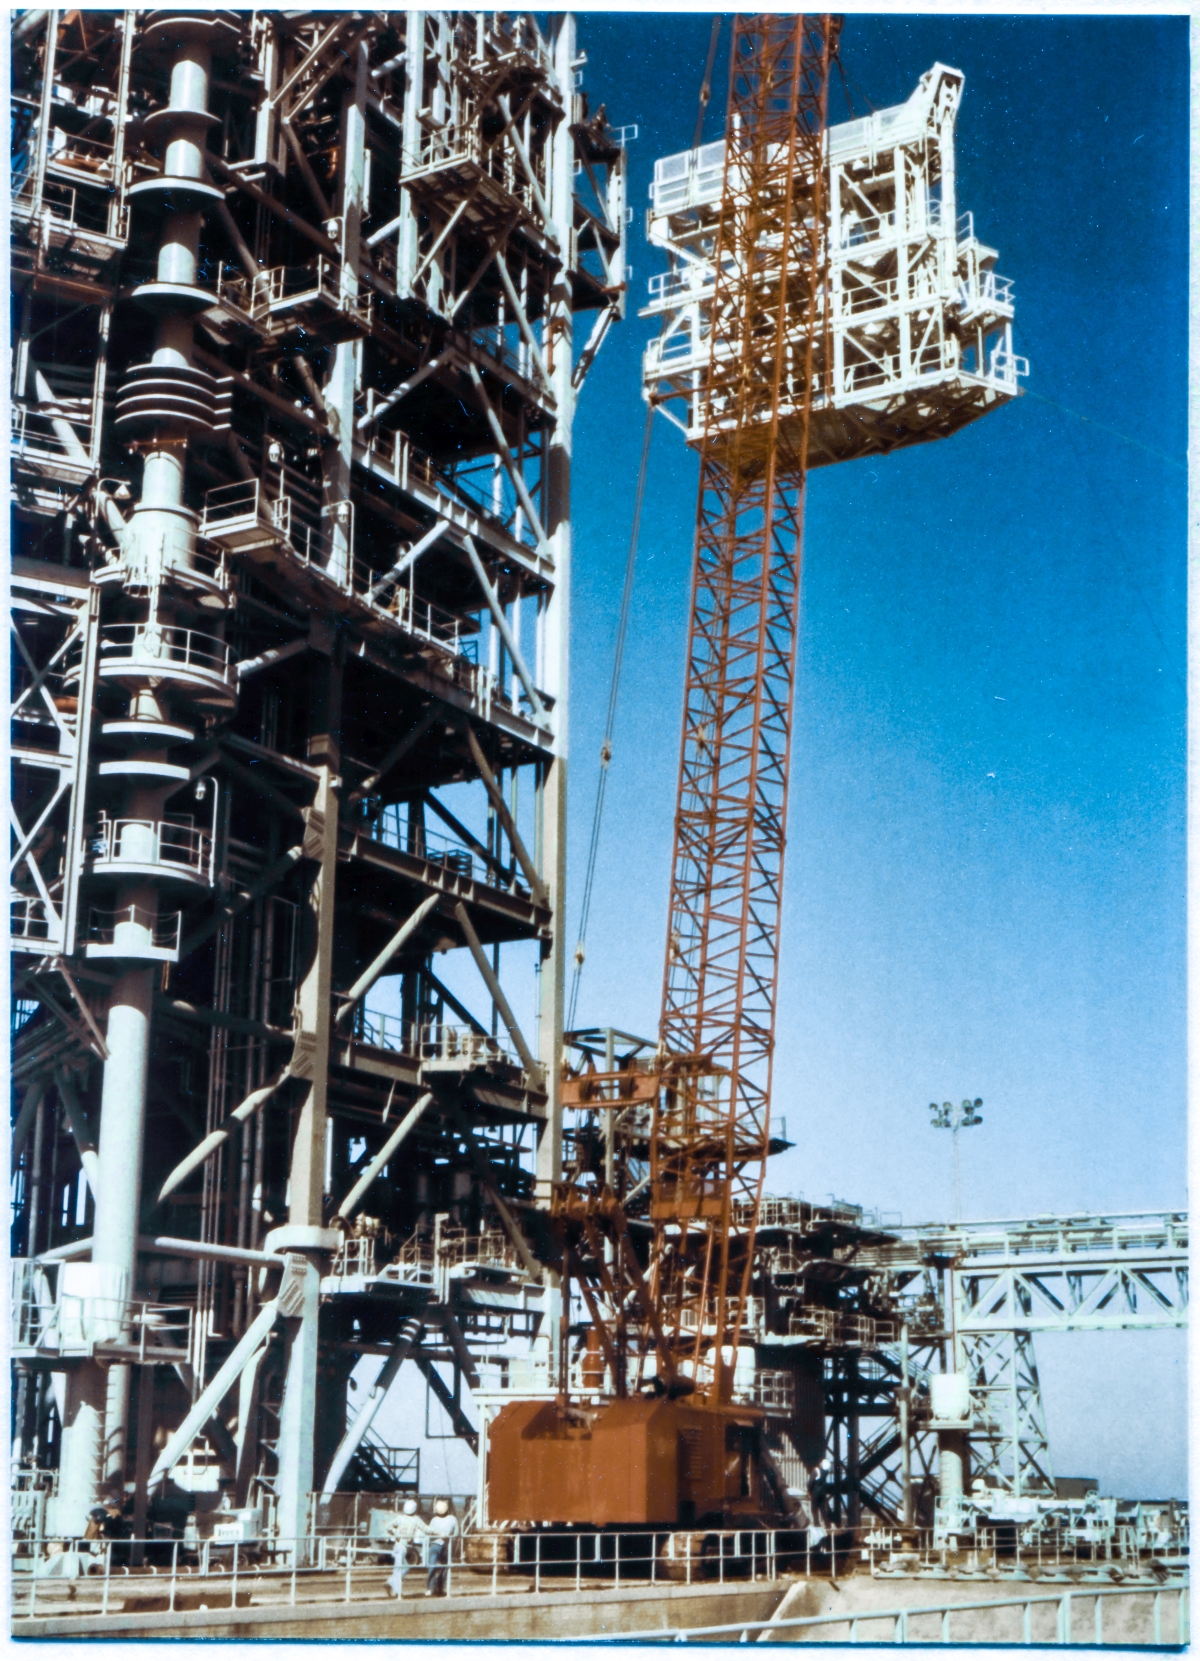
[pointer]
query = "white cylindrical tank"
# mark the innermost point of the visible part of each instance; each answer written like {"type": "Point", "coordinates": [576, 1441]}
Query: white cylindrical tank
{"type": "Point", "coordinates": [950, 1397]}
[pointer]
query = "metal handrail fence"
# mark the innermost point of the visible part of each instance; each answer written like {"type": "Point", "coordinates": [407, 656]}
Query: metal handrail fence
{"type": "Point", "coordinates": [142, 643]}
{"type": "Point", "coordinates": [351, 1564]}
{"type": "Point", "coordinates": [161, 929]}
{"type": "Point", "coordinates": [152, 842]}
{"type": "Point", "coordinates": [433, 1040]}
{"type": "Point", "coordinates": [902, 1619]}
{"type": "Point", "coordinates": [345, 1566]}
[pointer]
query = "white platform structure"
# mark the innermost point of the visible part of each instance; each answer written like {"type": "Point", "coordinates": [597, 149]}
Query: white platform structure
{"type": "Point", "coordinates": [916, 340]}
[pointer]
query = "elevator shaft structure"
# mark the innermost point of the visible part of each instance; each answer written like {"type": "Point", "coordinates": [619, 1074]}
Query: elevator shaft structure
{"type": "Point", "coordinates": [297, 351]}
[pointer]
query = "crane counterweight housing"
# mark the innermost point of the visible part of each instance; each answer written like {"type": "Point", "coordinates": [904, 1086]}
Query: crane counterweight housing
{"type": "Point", "coordinates": [632, 1462]}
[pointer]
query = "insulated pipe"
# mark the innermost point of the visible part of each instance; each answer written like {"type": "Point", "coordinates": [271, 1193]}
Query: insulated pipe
{"type": "Point", "coordinates": [215, 1138]}
{"type": "Point", "coordinates": [119, 1189]}
{"type": "Point", "coordinates": [410, 1334]}
{"type": "Point", "coordinates": [370, 975]}
{"type": "Point", "coordinates": [353, 1199]}
{"type": "Point", "coordinates": [80, 1466]}
{"type": "Point", "coordinates": [210, 1398]}
{"type": "Point", "coordinates": [497, 991]}
{"type": "Point", "coordinates": [67, 1253]}
{"type": "Point", "coordinates": [278, 654]}
{"type": "Point", "coordinates": [122, 1120]}
{"type": "Point", "coordinates": [166, 1245]}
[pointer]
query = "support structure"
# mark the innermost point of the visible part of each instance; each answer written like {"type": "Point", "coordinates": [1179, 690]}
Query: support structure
{"type": "Point", "coordinates": [295, 370]}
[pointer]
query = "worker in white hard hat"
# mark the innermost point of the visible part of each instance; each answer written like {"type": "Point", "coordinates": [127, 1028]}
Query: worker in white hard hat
{"type": "Point", "coordinates": [408, 1532]}
{"type": "Point", "coordinates": [442, 1528]}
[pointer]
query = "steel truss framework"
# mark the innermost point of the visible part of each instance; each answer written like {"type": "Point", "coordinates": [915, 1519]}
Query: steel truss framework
{"type": "Point", "coordinates": [1005, 1282]}
{"type": "Point", "coordinates": [295, 368]}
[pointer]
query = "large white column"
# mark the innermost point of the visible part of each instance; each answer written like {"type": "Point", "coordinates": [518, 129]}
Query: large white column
{"type": "Point", "coordinates": [557, 621]}
{"type": "Point", "coordinates": [122, 1137]}
{"type": "Point", "coordinates": [81, 1403]}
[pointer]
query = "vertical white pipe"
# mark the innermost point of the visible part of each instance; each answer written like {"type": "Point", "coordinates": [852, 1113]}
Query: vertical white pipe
{"type": "Point", "coordinates": [556, 625]}
{"type": "Point", "coordinates": [79, 1468]}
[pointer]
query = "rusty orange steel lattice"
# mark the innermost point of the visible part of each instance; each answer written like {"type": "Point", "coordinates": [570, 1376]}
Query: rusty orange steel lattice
{"type": "Point", "coordinates": [710, 1129]}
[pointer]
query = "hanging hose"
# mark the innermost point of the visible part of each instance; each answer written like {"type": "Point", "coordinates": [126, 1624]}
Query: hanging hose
{"type": "Point", "coordinates": [614, 687]}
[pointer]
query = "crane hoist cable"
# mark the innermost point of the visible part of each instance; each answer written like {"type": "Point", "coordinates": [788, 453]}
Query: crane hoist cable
{"type": "Point", "coordinates": [706, 84]}
{"type": "Point", "coordinates": [623, 625]}
{"type": "Point", "coordinates": [610, 715]}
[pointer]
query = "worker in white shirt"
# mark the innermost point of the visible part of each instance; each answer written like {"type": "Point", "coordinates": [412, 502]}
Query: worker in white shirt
{"type": "Point", "coordinates": [408, 1530]}
{"type": "Point", "coordinates": [441, 1528]}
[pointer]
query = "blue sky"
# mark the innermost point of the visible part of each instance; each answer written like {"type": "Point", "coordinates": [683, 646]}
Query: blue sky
{"type": "Point", "coordinates": [985, 867]}
{"type": "Point", "coordinates": [985, 864]}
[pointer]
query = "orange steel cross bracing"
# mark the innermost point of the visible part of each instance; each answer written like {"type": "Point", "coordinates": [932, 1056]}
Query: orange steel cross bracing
{"type": "Point", "coordinates": [709, 1133]}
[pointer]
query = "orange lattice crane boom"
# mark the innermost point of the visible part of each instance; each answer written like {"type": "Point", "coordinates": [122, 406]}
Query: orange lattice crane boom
{"type": "Point", "coordinates": [682, 1450]}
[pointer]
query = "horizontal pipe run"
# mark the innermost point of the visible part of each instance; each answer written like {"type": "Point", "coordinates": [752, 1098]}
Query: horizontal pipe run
{"type": "Point", "coordinates": [184, 1011]}
{"type": "Point", "coordinates": [67, 1253]}
{"type": "Point", "coordinates": [168, 1246]}
{"type": "Point", "coordinates": [267, 660]}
